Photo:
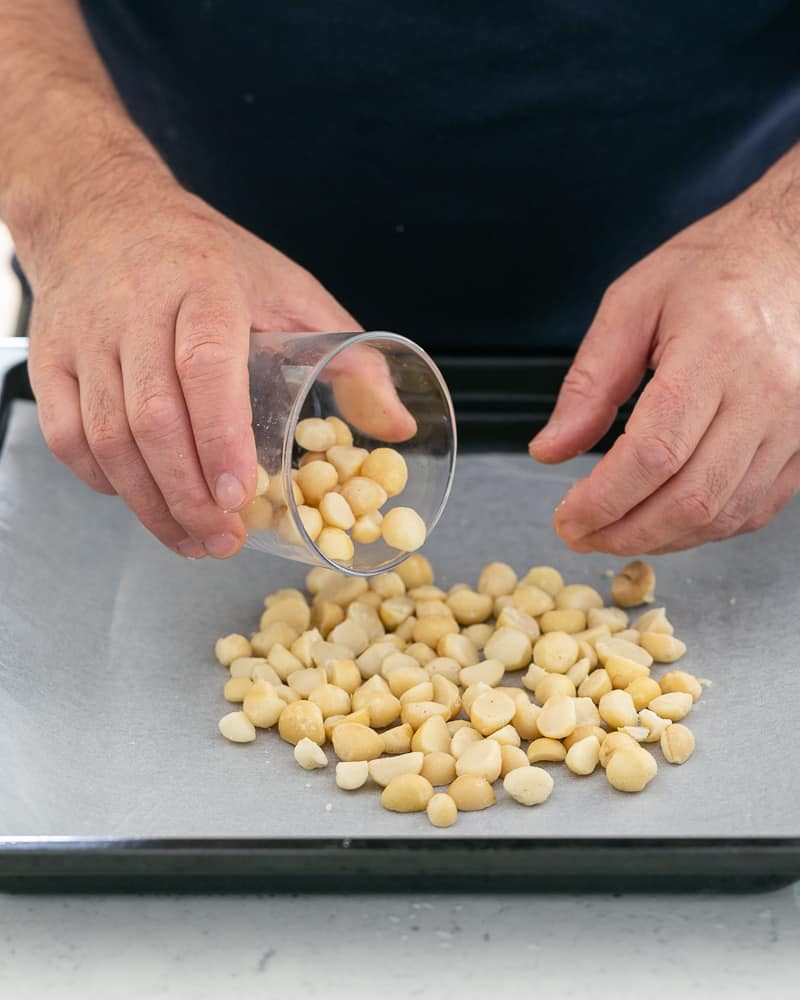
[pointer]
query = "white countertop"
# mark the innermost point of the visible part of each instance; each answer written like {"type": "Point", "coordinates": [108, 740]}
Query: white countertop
{"type": "Point", "coordinates": [165, 947]}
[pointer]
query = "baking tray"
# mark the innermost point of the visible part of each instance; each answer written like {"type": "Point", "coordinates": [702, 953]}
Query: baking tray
{"type": "Point", "coordinates": [113, 776]}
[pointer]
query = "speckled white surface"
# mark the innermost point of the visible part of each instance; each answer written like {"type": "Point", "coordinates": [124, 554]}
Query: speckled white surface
{"type": "Point", "coordinates": [592, 947]}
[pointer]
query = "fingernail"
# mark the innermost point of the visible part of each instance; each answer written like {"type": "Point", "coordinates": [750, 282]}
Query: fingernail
{"type": "Point", "coordinates": [220, 546]}
{"type": "Point", "coordinates": [190, 548]}
{"type": "Point", "coordinates": [570, 531]}
{"type": "Point", "coordinates": [229, 492]}
{"type": "Point", "coordinates": [565, 498]}
{"type": "Point", "coordinates": [550, 431]}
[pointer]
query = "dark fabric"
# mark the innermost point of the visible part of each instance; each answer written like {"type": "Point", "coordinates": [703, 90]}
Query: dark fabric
{"type": "Point", "coordinates": [470, 174]}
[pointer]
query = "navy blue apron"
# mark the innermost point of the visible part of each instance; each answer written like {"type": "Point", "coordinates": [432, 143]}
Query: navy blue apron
{"type": "Point", "coordinates": [471, 174]}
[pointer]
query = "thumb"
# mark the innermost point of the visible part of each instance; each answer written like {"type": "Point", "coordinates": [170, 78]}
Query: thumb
{"type": "Point", "coordinates": [607, 369]}
{"type": "Point", "coordinates": [362, 380]}
{"type": "Point", "coordinates": [360, 375]}
{"type": "Point", "coordinates": [367, 396]}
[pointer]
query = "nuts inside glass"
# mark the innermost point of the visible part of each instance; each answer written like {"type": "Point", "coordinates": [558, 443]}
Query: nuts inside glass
{"type": "Point", "coordinates": [356, 442]}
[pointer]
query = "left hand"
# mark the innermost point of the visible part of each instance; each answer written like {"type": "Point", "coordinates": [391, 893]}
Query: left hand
{"type": "Point", "coordinates": [712, 448]}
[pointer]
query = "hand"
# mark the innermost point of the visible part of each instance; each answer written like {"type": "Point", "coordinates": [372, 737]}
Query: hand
{"type": "Point", "coordinates": [144, 303]}
{"type": "Point", "coordinates": [712, 448]}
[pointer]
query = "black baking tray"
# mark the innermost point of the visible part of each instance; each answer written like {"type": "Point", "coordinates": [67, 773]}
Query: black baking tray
{"type": "Point", "coordinates": [499, 403]}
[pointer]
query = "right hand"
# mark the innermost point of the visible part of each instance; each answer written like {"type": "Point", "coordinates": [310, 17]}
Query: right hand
{"type": "Point", "coordinates": [143, 305]}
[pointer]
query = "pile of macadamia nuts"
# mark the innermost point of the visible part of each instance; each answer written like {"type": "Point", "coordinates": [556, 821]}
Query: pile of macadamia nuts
{"type": "Point", "coordinates": [411, 687]}
{"type": "Point", "coordinates": [339, 491]}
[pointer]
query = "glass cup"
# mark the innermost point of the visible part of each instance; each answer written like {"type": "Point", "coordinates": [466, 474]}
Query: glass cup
{"type": "Point", "coordinates": [389, 393]}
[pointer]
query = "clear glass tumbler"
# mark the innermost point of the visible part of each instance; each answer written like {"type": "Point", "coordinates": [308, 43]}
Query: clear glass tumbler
{"type": "Point", "coordinates": [387, 390]}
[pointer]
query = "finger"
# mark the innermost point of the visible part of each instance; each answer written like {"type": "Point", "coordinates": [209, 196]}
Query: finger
{"type": "Point", "coordinates": [160, 425]}
{"type": "Point", "coordinates": [607, 369]}
{"type": "Point", "coordinates": [748, 499]}
{"type": "Point", "coordinates": [667, 424]}
{"type": "Point", "coordinates": [212, 337]}
{"type": "Point", "coordinates": [693, 499]}
{"type": "Point", "coordinates": [108, 434]}
{"type": "Point", "coordinates": [59, 409]}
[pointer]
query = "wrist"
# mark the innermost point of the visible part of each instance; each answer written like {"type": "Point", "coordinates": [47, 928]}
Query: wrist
{"type": "Point", "coordinates": [88, 167]}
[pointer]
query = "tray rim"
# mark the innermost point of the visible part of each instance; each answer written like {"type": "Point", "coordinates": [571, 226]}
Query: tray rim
{"type": "Point", "coordinates": [35, 864]}
{"type": "Point", "coordinates": [15, 845]}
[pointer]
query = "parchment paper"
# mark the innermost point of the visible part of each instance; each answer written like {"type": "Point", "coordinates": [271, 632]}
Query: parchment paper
{"type": "Point", "coordinates": [110, 694]}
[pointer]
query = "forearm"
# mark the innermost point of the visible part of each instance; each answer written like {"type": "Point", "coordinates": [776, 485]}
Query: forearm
{"type": "Point", "coordinates": [61, 124]}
